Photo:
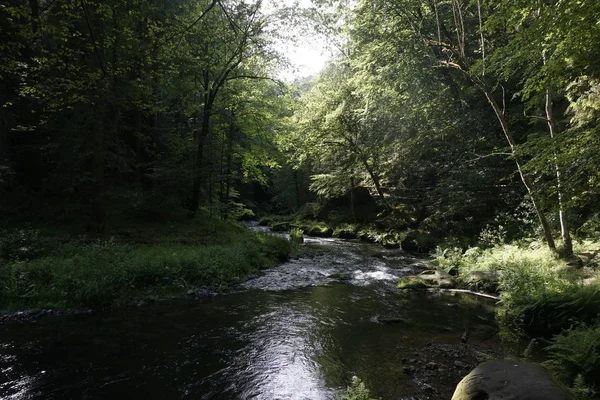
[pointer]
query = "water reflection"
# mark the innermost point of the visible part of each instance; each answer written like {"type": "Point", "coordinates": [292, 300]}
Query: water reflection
{"type": "Point", "coordinates": [299, 331]}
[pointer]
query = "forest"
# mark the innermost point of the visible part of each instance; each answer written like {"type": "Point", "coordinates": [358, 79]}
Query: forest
{"type": "Point", "coordinates": [136, 137]}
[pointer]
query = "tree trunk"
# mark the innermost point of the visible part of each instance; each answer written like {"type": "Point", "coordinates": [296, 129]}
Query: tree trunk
{"type": "Point", "coordinates": [5, 145]}
{"type": "Point", "coordinates": [375, 179]}
{"type": "Point", "coordinates": [564, 223]}
{"type": "Point", "coordinates": [200, 139]}
{"type": "Point", "coordinates": [228, 174]}
{"type": "Point", "coordinates": [524, 178]}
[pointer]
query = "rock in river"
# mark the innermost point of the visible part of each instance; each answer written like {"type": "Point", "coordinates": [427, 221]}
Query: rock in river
{"type": "Point", "coordinates": [429, 278]}
{"type": "Point", "coordinates": [508, 380]}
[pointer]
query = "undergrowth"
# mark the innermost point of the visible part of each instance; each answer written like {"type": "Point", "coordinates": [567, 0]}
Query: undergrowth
{"type": "Point", "coordinates": [43, 271]}
{"type": "Point", "coordinates": [541, 296]}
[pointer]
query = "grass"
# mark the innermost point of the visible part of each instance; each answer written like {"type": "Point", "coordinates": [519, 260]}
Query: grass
{"type": "Point", "coordinates": [542, 297]}
{"type": "Point", "coordinates": [46, 269]}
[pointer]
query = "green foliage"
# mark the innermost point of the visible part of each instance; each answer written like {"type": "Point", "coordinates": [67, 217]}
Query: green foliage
{"type": "Point", "coordinates": [574, 355]}
{"type": "Point", "coordinates": [357, 391]}
{"type": "Point", "coordinates": [346, 231]}
{"type": "Point", "coordinates": [296, 235]}
{"type": "Point", "coordinates": [21, 244]}
{"type": "Point", "coordinates": [103, 274]}
{"type": "Point", "coordinates": [539, 296]}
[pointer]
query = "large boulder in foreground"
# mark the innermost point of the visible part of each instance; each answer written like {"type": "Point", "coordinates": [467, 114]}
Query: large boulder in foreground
{"type": "Point", "coordinates": [508, 380]}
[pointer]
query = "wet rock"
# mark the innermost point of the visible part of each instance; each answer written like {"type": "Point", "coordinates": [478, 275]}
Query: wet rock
{"type": "Point", "coordinates": [345, 234]}
{"type": "Point", "coordinates": [508, 380]}
{"type": "Point", "coordinates": [342, 276]}
{"type": "Point", "coordinates": [280, 227]}
{"type": "Point", "coordinates": [431, 365]}
{"type": "Point", "coordinates": [393, 320]}
{"type": "Point", "coordinates": [409, 369]}
{"type": "Point", "coordinates": [460, 364]}
{"type": "Point", "coordinates": [201, 292]}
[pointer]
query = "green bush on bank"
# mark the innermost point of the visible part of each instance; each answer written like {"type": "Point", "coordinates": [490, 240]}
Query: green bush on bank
{"type": "Point", "coordinates": [105, 273]}
{"type": "Point", "coordinates": [542, 297]}
{"type": "Point", "coordinates": [539, 295]}
{"type": "Point", "coordinates": [575, 357]}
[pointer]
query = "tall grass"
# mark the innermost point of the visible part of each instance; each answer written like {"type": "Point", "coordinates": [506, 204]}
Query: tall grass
{"type": "Point", "coordinates": [41, 271]}
{"type": "Point", "coordinates": [542, 297]}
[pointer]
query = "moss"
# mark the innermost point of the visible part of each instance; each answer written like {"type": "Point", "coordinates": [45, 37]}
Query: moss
{"type": "Point", "coordinates": [281, 227]}
{"type": "Point", "coordinates": [412, 282]}
{"type": "Point", "coordinates": [319, 229]}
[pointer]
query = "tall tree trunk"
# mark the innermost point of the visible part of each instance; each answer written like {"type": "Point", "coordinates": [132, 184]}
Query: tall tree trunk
{"type": "Point", "coordinates": [5, 145]}
{"type": "Point", "coordinates": [375, 179]}
{"type": "Point", "coordinates": [228, 173]}
{"type": "Point", "coordinates": [564, 223]}
{"type": "Point", "coordinates": [524, 178]}
{"type": "Point", "coordinates": [138, 148]}
{"type": "Point", "coordinates": [99, 216]}
{"type": "Point", "coordinates": [200, 139]}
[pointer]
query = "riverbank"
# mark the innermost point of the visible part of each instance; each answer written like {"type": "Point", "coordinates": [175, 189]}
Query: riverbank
{"type": "Point", "coordinates": [45, 268]}
{"type": "Point", "coordinates": [545, 301]}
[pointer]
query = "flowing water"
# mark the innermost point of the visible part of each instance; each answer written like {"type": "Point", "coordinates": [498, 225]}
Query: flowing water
{"type": "Point", "coordinates": [300, 330]}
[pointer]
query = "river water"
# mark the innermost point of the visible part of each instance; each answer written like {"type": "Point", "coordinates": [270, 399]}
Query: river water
{"type": "Point", "coordinates": [300, 330]}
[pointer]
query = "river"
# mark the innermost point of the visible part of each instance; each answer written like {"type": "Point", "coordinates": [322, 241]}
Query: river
{"type": "Point", "coordinates": [300, 330]}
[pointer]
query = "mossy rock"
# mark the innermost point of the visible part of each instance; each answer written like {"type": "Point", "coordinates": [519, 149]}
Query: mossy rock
{"type": "Point", "coordinates": [417, 241]}
{"type": "Point", "coordinates": [319, 229]}
{"type": "Point", "coordinates": [342, 276]}
{"type": "Point", "coordinates": [345, 234]}
{"type": "Point", "coordinates": [427, 279]}
{"type": "Point", "coordinates": [412, 282]}
{"type": "Point", "coordinates": [280, 227]}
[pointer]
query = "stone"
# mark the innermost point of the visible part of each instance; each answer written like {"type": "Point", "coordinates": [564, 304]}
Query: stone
{"type": "Point", "coordinates": [417, 241]}
{"type": "Point", "coordinates": [438, 278]}
{"type": "Point", "coordinates": [482, 276]}
{"type": "Point", "coordinates": [574, 261]}
{"type": "Point", "coordinates": [427, 279]}
{"type": "Point", "coordinates": [508, 380]}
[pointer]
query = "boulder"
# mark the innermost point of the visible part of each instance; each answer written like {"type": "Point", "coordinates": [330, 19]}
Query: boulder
{"type": "Point", "coordinates": [429, 278]}
{"type": "Point", "coordinates": [508, 380]}
{"type": "Point", "coordinates": [319, 229]}
{"type": "Point", "coordinates": [484, 280]}
{"type": "Point", "coordinates": [280, 227]}
{"type": "Point", "coordinates": [417, 241]}
{"type": "Point", "coordinates": [574, 261]}
{"type": "Point", "coordinates": [438, 278]}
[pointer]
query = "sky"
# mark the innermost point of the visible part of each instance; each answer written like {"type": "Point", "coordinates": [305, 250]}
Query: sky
{"type": "Point", "coordinates": [308, 55]}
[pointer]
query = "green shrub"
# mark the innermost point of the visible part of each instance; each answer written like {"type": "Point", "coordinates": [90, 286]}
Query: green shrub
{"type": "Point", "coordinates": [538, 296]}
{"type": "Point", "coordinates": [357, 391]}
{"type": "Point", "coordinates": [296, 235]}
{"type": "Point", "coordinates": [346, 231]}
{"type": "Point", "coordinates": [22, 244]}
{"type": "Point", "coordinates": [574, 353]}
{"type": "Point", "coordinates": [103, 274]}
